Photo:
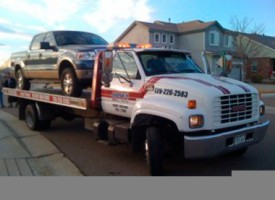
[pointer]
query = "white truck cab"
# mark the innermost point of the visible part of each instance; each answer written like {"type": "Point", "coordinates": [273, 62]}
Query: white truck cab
{"type": "Point", "coordinates": [166, 90]}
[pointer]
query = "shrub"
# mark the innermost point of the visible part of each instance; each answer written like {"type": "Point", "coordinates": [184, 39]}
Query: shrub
{"type": "Point", "coordinates": [256, 78]}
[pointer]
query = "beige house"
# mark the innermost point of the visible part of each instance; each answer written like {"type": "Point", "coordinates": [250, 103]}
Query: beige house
{"type": "Point", "coordinates": [195, 36]}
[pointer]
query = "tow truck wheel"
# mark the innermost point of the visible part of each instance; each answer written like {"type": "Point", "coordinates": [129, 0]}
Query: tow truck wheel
{"type": "Point", "coordinates": [22, 83]}
{"type": "Point", "coordinates": [69, 83]}
{"type": "Point", "coordinates": [32, 119]}
{"type": "Point", "coordinates": [154, 151]}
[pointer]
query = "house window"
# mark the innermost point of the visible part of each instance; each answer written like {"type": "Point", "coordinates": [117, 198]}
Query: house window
{"type": "Point", "coordinates": [214, 38]}
{"type": "Point", "coordinates": [171, 39]}
{"type": "Point", "coordinates": [156, 37]}
{"type": "Point", "coordinates": [254, 66]}
{"type": "Point", "coordinates": [164, 38]}
{"type": "Point", "coordinates": [228, 41]}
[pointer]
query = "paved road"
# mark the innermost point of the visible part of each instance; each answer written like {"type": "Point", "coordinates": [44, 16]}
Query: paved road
{"type": "Point", "coordinates": [97, 159]}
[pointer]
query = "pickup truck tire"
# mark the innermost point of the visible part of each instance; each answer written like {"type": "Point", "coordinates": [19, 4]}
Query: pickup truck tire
{"type": "Point", "coordinates": [22, 82]}
{"type": "Point", "coordinates": [69, 83]}
{"type": "Point", "coordinates": [33, 121]}
{"type": "Point", "coordinates": [154, 151]}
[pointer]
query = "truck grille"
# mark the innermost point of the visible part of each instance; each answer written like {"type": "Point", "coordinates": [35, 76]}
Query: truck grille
{"type": "Point", "coordinates": [235, 108]}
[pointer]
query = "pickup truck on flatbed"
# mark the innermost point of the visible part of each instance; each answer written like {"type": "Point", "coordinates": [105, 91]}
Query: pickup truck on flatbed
{"type": "Point", "coordinates": [159, 101]}
{"type": "Point", "coordinates": [65, 56]}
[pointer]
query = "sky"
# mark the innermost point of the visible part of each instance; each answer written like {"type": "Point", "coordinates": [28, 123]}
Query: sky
{"type": "Point", "coordinates": [21, 19]}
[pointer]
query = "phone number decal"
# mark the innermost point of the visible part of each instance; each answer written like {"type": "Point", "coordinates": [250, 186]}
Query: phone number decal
{"type": "Point", "coordinates": [171, 92]}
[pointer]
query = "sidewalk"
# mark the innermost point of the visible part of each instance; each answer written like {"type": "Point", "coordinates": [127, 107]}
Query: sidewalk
{"type": "Point", "coordinates": [29, 153]}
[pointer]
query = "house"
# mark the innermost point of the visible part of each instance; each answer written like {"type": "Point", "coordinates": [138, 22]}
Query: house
{"type": "Point", "coordinates": [263, 62]}
{"type": "Point", "coordinates": [195, 36]}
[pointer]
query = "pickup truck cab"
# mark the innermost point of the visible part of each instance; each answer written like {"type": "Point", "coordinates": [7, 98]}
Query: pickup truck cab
{"type": "Point", "coordinates": [64, 56]}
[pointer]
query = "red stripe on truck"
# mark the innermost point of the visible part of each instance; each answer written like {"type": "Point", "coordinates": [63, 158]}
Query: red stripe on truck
{"type": "Point", "coordinates": [143, 90]}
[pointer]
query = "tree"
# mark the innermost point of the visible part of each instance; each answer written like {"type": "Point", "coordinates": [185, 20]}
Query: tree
{"type": "Point", "coordinates": [243, 41]}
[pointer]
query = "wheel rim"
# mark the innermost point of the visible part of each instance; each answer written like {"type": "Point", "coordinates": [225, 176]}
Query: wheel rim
{"type": "Point", "coordinates": [68, 83]}
{"type": "Point", "coordinates": [29, 119]}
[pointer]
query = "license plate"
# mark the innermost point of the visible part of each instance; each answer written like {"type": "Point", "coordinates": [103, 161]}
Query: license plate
{"type": "Point", "coordinates": [239, 139]}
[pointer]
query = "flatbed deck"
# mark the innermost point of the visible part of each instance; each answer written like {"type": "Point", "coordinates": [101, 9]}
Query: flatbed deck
{"type": "Point", "coordinates": [51, 96]}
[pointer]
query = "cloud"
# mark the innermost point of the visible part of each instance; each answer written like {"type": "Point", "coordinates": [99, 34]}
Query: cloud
{"type": "Point", "coordinates": [48, 11]}
{"type": "Point", "coordinates": [6, 29]}
{"type": "Point", "coordinates": [110, 13]}
{"type": "Point", "coordinates": [21, 19]}
{"type": "Point", "coordinates": [100, 14]}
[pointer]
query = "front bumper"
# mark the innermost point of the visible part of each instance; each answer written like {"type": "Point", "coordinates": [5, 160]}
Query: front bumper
{"type": "Point", "coordinates": [218, 144]}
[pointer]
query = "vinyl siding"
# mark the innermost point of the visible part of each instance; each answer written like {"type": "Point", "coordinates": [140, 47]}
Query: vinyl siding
{"type": "Point", "coordinates": [138, 34]}
{"type": "Point", "coordinates": [192, 42]}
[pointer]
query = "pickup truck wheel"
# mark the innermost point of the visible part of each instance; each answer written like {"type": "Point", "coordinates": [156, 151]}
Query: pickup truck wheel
{"type": "Point", "coordinates": [154, 151]}
{"type": "Point", "coordinates": [69, 83]}
{"type": "Point", "coordinates": [22, 83]}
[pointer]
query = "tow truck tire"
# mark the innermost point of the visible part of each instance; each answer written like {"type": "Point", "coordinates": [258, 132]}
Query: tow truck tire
{"type": "Point", "coordinates": [33, 121]}
{"type": "Point", "coordinates": [69, 83]}
{"type": "Point", "coordinates": [154, 151]}
{"type": "Point", "coordinates": [22, 82]}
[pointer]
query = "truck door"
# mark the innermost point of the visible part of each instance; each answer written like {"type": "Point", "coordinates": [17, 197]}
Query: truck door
{"type": "Point", "coordinates": [124, 90]}
{"type": "Point", "coordinates": [33, 61]}
{"type": "Point", "coordinates": [49, 57]}
{"type": "Point", "coordinates": [42, 62]}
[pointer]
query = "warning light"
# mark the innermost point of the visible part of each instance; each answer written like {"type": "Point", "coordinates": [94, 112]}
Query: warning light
{"type": "Point", "coordinates": [144, 46]}
{"type": "Point", "coordinates": [128, 45]}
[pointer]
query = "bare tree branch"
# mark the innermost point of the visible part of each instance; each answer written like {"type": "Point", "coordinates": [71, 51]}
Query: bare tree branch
{"type": "Point", "coordinates": [243, 41]}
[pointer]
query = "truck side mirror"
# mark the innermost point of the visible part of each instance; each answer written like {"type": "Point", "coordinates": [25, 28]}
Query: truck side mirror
{"type": "Point", "coordinates": [45, 45]}
{"type": "Point", "coordinates": [107, 67]}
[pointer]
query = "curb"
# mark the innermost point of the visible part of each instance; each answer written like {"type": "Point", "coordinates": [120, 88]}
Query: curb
{"type": "Point", "coordinates": [43, 157]}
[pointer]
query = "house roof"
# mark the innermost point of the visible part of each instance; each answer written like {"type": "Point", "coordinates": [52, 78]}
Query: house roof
{"type": "Point", "coordinates": [184, 27]}
{"type": "Point", "coordinates": [268, 41]}
{"type": "Point", "coordinates": [159, 25]}
{"type": "Point", "coordinates": [197, 25]}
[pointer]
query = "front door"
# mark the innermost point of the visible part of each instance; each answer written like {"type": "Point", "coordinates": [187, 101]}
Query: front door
{"type": "Point", "coordinates": [125, 88]}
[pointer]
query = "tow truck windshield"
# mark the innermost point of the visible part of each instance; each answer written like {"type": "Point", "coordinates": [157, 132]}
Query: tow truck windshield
{"type": "Point", "coordinates": [167, 62]}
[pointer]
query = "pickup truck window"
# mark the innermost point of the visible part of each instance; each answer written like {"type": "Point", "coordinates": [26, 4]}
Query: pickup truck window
{"type": "Point", "coordinates": [36, 41]}
{"type": "Point", "coordinates": [167, 62]}
{"type": "Point", "coordinates": [77, 38]}
{"type": "Point", "coordinates": [50, 38]}
{"type": "Point", "coordinates": [126, 59]}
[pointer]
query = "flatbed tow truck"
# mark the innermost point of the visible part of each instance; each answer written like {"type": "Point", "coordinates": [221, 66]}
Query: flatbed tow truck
{"type": "Point", "coordinates": [157, 100]}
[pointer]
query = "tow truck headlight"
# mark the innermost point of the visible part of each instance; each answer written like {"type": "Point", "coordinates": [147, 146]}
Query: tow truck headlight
{"type": "Point", "coordinates": [196, 121]}
{"type": "Point", "coordinates": [86, 55]}
{"type": "Point", "coordinates": [262, 110]}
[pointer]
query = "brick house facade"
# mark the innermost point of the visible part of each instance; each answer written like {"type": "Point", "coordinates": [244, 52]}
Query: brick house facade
{"type": "Point", "coordinates": [261, 66]}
